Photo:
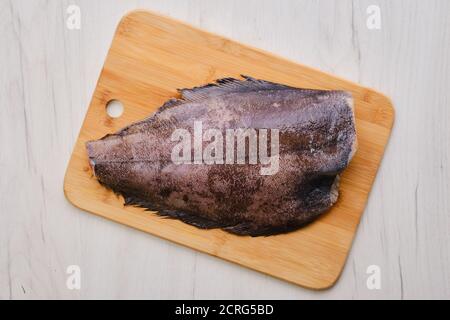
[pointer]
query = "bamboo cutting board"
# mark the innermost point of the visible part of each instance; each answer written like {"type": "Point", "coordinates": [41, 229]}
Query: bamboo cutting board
{"type": "Point", "coordinates": [150, 57]}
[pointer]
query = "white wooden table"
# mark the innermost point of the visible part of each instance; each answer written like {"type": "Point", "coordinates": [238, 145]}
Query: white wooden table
{"type": "Point", "coordinates": [48, 73]}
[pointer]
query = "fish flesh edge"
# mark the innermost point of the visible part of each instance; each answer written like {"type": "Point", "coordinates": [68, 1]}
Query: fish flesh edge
{"type": "Point", "coordinates": [311, 135]}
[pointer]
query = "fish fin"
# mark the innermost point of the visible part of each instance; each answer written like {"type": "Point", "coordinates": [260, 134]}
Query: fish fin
{"type": "Point", "coordinates": [228, 85]}
{"type": "Point", "coordinates": [250, 229]}
{"type": "Point", "coordinates": [169, 104]}
{"type": "Point", "coordinates": [191, 219]}
{"type": "Point", "coordinates": [199, 222]}
{"type": "Point", "coordinates": [253, 230]}
{"type": "Point", "coordinates": [242, 229]}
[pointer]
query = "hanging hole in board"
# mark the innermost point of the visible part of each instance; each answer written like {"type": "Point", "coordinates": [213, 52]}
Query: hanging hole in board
{"type": "Point", "coordinates": [114, 108]}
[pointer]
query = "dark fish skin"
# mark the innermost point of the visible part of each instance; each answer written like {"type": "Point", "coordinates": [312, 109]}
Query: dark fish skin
{"type": "Point", "coordinates": [317, 140]}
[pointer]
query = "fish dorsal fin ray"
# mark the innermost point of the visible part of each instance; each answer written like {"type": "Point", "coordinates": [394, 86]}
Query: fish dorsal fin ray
{"type": "Point", "coordinates": [169, 104]}
{"type": "Point", "coordinates": [229, 85]}
{"type": "Point", "coordinates": [186, 217]}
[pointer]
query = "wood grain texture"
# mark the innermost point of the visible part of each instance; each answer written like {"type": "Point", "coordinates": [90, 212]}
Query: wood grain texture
{"type": "Point", "coordinates": [150, 57]}
{"type": "Point", "coordinates": [48, 75]}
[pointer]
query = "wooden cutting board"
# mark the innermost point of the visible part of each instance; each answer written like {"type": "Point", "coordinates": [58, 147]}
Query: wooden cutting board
{"type": "Point", "coordinates": [150, 57]}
